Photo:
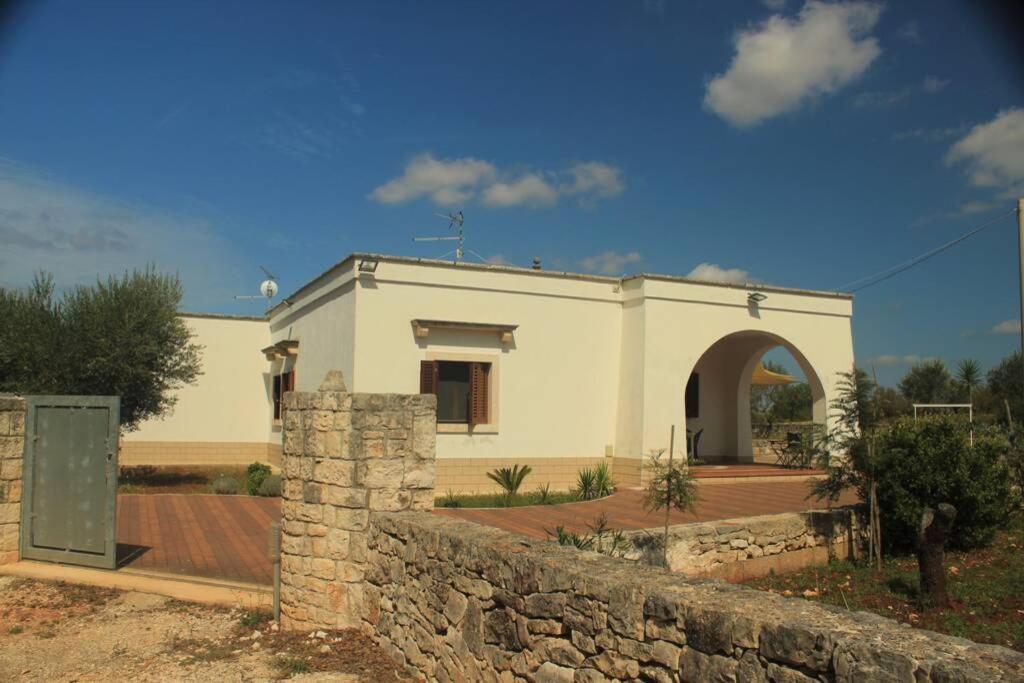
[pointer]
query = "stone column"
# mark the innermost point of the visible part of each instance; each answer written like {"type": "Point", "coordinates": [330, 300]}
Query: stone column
{"type": "Point", "coordinates": [12, 447]}
{"type": "Point", "coordinates": [345, 455]}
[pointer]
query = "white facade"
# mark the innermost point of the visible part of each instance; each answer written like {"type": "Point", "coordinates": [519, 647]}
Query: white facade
{"type": "Point", "coordinates": [595, 367]}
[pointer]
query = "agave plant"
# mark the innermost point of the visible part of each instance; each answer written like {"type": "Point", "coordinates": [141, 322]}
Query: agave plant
{"type": "Point", "coordinates": [604, 485]}
{"type": "Point", "coordinates": [586, 481]}
{"type": "Point", "coordinates": [509, 479]}
{"type": "Point", "coordinates": [544, 494]}
{"type": "Point", "coordinates": [564, 537]}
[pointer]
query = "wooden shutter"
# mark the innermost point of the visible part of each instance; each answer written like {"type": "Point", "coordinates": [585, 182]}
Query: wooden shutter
{"type": "Point", "coordinates": [428, 377]}
{"type": "Point", "coordinates": [277, 397]}
{"type": "Point", "coordinates": [479, 393]}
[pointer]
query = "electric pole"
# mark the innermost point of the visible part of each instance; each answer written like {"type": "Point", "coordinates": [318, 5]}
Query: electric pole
{"type": "Point", "coordinates": [1020, 269]}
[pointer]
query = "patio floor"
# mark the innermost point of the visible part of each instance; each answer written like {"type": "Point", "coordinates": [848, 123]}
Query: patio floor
{"type": "Point", "coordinates": [209, 536]}
{"type": "Point", "coordinates": [625, 509]}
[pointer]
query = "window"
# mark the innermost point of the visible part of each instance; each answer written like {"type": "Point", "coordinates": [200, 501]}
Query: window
{"type": "Point", "coordinates": [283, 382]}
{"type": "Point", "coordinates": [693, 396]}
{"type": "Point", "coordinates": [462, 389]}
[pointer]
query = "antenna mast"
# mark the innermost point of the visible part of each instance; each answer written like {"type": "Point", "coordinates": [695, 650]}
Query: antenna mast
{"type": "Point", "coordinates": [455, 221]}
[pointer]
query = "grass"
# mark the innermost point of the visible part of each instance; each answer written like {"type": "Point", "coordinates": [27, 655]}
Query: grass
{"type": "Point", "coordinates": [175, 479]}
{"type": "Point", "coordinates": [498, 500]}
{"type": "Point", "coordinates": [985, 585]}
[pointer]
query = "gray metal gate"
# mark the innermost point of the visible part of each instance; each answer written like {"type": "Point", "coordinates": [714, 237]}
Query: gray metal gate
{"type": "Point", "coordinates": [69, 495]}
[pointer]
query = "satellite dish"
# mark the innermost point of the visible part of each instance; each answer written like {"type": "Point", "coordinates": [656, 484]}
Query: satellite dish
{"type": "Point", "coordinates": [268, 288]}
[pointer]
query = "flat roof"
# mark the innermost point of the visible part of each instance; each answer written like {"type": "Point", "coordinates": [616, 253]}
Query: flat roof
{"type": "Point", "coordinates": [225, 316]}
{"type": "Point", "coordinates": [522, 270]}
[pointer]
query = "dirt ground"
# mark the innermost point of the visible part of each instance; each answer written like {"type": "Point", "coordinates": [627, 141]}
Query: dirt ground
{"type": "Point", "coordinates": [57, 631]}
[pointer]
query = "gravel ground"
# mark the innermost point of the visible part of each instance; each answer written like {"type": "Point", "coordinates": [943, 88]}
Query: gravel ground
{"type": "Point", "coordinates": [57, 631]}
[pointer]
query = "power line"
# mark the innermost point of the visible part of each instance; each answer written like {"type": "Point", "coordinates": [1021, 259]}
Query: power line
{"type": "Point", "coordinates": [871, 280]}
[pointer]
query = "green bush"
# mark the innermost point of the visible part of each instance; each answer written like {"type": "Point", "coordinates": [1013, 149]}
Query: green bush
{"type": "Point", "coordinates": [225, 485]}
{"type": "Point", "coordinates": [509, 479]}
{"type": "Point", "coordinates": [930, 461]}
{"type": "Point", "coordinates": [594, 482]}
{"type": "Point", "coordinates": [254, 476]}
{"type": "Point", "coordinates": [271, 486]}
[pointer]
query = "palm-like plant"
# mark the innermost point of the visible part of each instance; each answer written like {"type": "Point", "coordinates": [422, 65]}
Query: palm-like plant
{"type": "Point", "coordinates": [968, 373]}
{"type": "Point", "coordinates": [586, 484]}
{"type": "Point", "coordinates": [509, 479]}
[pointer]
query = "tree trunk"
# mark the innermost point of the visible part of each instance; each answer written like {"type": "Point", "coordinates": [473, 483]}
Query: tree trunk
{"type": "Point", "coordinates": [931, 550]}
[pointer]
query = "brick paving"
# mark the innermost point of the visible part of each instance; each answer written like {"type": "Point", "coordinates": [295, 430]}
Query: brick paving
{"type": "Point", "coordinates": [625, 510]}
{"type": "Point", "coordinates": [204, 535]}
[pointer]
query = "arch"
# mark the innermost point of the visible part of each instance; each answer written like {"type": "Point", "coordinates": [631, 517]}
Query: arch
{"type": "Point", "coordinates": [725, 369]}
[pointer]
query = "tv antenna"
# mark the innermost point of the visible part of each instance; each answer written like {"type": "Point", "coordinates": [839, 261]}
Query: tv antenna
{"type": "Point", "coordinates": [455, 222]}
{"type": "Point", "coordinates": [268, 288]}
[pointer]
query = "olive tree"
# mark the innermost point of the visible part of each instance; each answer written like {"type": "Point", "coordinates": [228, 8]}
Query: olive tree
{"type": "Point", "coordinates": [121, 336]}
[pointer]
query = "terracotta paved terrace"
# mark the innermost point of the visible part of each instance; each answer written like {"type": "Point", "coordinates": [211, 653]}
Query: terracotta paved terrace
{"type": "Point", "coordinates": [625, 508]}
{"type": "Point", "coordinates": [205, 535]}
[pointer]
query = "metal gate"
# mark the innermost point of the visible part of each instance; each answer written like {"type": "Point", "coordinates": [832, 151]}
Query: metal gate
{"type": "Point", "coordinates": [69, 494]}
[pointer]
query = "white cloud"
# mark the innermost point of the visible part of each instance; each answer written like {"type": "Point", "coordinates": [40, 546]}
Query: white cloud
{"type": "Point", "coordinates": [609, 262]}
{"type": "Point", "coordinates": [889, 359]}
{"type": "Point", "coordinates": [530, 189]}
{"type": "Point", "coordinates": [929, 134]}
{"type": "Point", "coordinates": [933, 84]}
{"type": "Point", "coordinates": [712, 272]}
{"type": "Point", "coordinates": [79, 236]}
{"type": "Point", "coordinates": [782, 63]}
{"type": "Point", "coordinates": [445, 181]}
{"type": "Point", "coordinates": [1006, 327]}
{"type": "Point", "coordinates": [910, 32]}
{"type": "Point", "coordinates": [993, 152]}
{"type": "Point", "coordinates": [456, 181]}
{"type": "Point", "coordinates": [498, 260]}
{"type": "Point", "coordinates": [885, 98]}
{"type": "Point", "coordinates": [593, 179]}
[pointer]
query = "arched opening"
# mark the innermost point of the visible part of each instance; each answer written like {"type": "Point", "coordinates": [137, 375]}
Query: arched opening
{"type": "Point", "coordinates": [740, 388]}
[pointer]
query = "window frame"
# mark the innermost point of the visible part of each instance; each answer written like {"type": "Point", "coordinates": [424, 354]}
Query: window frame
{"type": "Point", "coordinates": [281, 383]}
{"type": "Point", "coordinates": [491, 425]}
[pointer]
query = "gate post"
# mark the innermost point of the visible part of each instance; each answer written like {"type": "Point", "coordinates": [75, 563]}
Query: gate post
{"type": "Point", "coordinates": [12, 449]}
{"type": "Point", "coordinates": [345, 456]}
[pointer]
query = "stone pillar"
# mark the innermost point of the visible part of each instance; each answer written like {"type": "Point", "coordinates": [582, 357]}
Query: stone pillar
{"type": "Point", "coordinates": [12, 447]}
{"type": "Point", "coordinates": [345, 455]}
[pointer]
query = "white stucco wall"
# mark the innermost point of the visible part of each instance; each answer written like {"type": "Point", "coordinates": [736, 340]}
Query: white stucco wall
{"type": "Point", "coordinates": [557, 380]}
{"type": "Point", "coordinates": [230, 401]}
{"type": "Point", "coordinates": [683, 320]}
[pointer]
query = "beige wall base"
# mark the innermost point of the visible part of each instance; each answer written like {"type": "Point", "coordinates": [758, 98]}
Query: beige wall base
{"type": "Point", "coordinates": [469, 475]}
{"type": "Point", "coordinates": [198, 453]}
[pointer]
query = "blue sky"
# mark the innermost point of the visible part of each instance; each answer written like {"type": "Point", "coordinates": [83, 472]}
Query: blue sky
{"type": "Point", "coordinates": [796, 144]}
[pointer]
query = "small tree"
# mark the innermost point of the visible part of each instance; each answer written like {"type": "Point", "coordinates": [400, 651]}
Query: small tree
{"type": "Point", "coordinates": [926, 382]}
{"type": "Point", "coordinates": [120, 337]}
{"type": "Point", "coordinates": [671, 487]}
{"type": "Point", "coordinates": [1006, 382]}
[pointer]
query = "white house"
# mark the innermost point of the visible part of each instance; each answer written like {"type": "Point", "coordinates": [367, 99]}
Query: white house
{"type": "Point", "coordinates": [557, 370]}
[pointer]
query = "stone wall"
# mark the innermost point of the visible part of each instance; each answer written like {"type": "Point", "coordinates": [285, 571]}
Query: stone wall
{"type": "Point", "coordinates": [738, 549]}
{"type": "Point", "coordinates": [12, 446]}
{"type": "Point", "coordinates": [462, 602]}
{"type": "Point", "coordinates": [344, 456]}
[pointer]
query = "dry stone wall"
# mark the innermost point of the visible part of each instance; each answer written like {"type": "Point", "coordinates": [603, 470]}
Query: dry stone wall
{"type": "Point", "coordinates": [12, 447]}
{"type": "Point", "coordinates": [345, 455]}
{"type": "Point", "coordinates": [462, 602]}
{"type": "Point", "coordinates": [737, 549]}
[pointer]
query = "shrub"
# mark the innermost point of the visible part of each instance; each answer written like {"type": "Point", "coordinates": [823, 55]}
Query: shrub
{"type": "Point", "coordinates": [225, 485]}
{"type": "Point", "coordinates": [450, 501]}
{"type": "Point", "coordinates": [271, 486]}
{"type": "Point", "coordinates": [594, 482]}
{"type": "Point", "coordinates": [544, 494]}
{"type": "Point", "coordinates": [254, 476]}
{"type": "Point", "coordinates": [509, 479]}
{"type": "Point", "coordinates": [923, 463]}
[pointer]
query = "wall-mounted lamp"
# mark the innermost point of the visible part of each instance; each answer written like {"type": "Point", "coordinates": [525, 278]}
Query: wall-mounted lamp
{"type": "Point", "coordinates": [368, 265]}
{"type": "Point", "coordinates": [756, 298]}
